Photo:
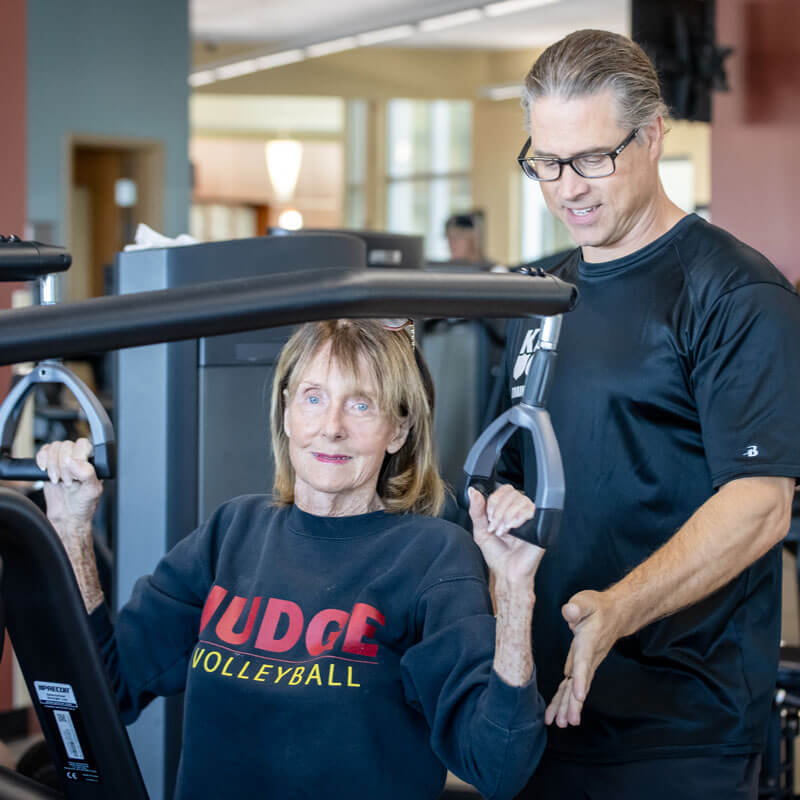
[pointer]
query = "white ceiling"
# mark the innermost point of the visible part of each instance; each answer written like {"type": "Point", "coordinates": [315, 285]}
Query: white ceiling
{"type": "Point", "coordinates": [280, 24]}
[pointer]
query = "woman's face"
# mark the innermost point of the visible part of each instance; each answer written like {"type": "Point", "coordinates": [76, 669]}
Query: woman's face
{"type": "Point", "coordinates": [338, 437]}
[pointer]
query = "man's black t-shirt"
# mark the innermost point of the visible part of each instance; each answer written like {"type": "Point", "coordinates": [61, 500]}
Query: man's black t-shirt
{"type": "Point", "coordinates": [678, 371]}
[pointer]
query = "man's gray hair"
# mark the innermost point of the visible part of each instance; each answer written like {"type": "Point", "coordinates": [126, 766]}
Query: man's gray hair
{"type": "Point", "coordinates": [588, 62]}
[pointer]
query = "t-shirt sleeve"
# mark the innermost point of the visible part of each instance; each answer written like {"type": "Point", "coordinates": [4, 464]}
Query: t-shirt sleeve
{"type": "Point", "coordinates": [488, 733]}
{"type": "Point", "coordinates": [746, 382]}
{"type": "Point", "coordinates": [146, 650]}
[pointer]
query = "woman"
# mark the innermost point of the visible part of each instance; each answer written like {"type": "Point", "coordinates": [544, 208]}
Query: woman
{"type": "Point", "coordinates": [339, 641]}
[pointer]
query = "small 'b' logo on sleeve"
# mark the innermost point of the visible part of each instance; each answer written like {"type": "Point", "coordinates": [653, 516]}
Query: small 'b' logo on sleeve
{"type": "Point", "coordinates": [751, 451]}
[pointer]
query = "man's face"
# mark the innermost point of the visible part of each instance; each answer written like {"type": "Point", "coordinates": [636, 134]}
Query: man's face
{"type": "Point", "coordinates": [463, 245]}
{"type": "Point", "coordinates": [608, 214]}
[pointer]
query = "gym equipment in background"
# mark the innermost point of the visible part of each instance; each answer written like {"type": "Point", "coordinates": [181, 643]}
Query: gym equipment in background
{"type": "Point", "coordinates": [777, 778]}
{"type": "Point", "coordinates": [383, 249]}
{"type": "Point", "coordinates": [20, 260]}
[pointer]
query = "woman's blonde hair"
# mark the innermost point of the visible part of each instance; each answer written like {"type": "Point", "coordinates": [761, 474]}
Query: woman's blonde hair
{"type": "Point", "coordinates": [409, 479]}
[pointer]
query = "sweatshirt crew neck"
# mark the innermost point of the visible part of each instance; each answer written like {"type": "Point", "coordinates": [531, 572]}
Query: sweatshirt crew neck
{"type": "Point", "coordinates": [354, 527]}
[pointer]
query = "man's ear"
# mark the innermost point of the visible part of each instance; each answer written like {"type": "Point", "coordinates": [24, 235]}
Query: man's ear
{"type": "Point", "coordinates": [653, 134]}
{"type": "Point", "coordinates": [399, 437]}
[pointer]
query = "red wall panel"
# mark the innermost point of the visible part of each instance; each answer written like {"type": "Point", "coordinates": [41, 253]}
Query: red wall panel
{"type": "Point", "coordinates": [755, 134]}
{"type": "Point", "coordinates": [12, 190]}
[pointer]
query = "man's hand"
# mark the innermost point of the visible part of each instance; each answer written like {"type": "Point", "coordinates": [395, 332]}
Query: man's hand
{"type": "Point", "coordinates": [593, 618]}
{"type": "Point", "coordinates": [733, 528]}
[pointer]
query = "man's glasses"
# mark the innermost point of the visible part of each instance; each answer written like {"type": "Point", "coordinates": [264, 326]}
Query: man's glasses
{"type": "Point", "coordinates": [589, 165]}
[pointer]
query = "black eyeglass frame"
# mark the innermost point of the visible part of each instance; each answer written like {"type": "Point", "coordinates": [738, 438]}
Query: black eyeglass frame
{"type": "Point", "coordinates": [528, 170]}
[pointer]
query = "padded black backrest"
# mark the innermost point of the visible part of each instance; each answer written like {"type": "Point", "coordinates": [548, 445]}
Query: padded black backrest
{"type": "Point", "coordinates": [66, 678]}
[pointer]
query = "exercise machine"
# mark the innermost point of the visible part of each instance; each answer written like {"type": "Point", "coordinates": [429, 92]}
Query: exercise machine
{"type": "Point", "coordinates": [211, 308]}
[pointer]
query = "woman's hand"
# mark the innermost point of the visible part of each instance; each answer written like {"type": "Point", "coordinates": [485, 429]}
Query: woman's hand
{"type": "Point", "coordinates": [71, 496]}
{"type": "Point", "coordinates": [510, 559]}
{"type": "Point", "coordinates": [74, 489]}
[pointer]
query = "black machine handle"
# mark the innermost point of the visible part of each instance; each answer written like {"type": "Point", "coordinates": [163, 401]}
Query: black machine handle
{"type": "Point", "coordinates": [102, 431]}
{"type": "Point", "coordinates": [27, 261]}
{"type": "Point", "coordinates": [531, 415]}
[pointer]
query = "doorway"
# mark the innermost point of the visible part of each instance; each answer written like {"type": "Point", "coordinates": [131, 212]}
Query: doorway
{"type": "Point", "coordinates": [114, 184]}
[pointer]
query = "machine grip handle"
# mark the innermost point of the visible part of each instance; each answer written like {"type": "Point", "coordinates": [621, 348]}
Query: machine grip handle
{"type": "Point", "coordinates": [541, 530]}
{"type": "Point", "coordinates": [102, 432]}
{"type": "Point", "coordinates": [21, 469]}
{"type": "Point", "coordinates": [25, 469]}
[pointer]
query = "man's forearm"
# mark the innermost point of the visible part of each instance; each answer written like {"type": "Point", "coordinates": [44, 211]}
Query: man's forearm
{"type": "Point", "coordinates": [513, 657]}
{"type": "Point", "coordinates": [730, 531]}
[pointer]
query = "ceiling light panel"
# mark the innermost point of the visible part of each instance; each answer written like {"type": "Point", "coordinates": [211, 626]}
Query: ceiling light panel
{"type": "Point", "coordinates": [385, 35]}
{"type": "Point", "coordinates": [279, 59]}
{"type": "Point", "coordinates": [236, 70]}
{"type": "Point", "coordinates": [202, 78]}
{"type": "Point", "coordinates": [450, 20]}
{"type": "Point", "coordinates": [511, 92]}
{"type": "Point", "coordinates": [514, 6]}
{"type": "Point", "coordinates": [334, 46]}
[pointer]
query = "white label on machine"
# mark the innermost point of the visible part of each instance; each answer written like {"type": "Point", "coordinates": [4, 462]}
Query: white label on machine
{"type": "Point", "coordinates": [69, 735]}
{"type": "Point", "coordinates": [55, 694]}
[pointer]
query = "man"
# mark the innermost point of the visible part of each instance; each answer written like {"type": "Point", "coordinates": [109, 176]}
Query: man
{"type": "Point", "coordinates": [675, 402]}
{"type": "Point", "coordinates": [465, 237]}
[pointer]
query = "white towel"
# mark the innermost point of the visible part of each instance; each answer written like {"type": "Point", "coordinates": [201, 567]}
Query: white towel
{"type": "Point", "coordinates": [146, 238]}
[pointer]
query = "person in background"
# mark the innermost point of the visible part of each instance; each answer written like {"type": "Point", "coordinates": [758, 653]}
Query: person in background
{"type": "Point", "coordinates": [464, 234]}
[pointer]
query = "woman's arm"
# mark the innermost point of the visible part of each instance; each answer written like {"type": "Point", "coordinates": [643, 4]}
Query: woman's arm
{"type": "Point", "coordinates": [146, 650]}
{"type": "Point", "coordinates": [513, 564]}
{"type": "Point", "coordinates": [471, 674]}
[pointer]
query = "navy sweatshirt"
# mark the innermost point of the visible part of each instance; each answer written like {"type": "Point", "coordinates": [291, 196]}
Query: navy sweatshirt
{"type": "Point", "coordinates": [325, 657]}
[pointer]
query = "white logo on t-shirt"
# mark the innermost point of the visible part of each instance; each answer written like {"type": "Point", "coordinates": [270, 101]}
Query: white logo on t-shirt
{"type": "Point", "coordinates": [523, 362]}
{"type": "Point", "coordinates": [751, 451]}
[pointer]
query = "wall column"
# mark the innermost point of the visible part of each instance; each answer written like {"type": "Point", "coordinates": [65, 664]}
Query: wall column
{"type": "Point", "coordinates": [12, 197]}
